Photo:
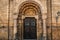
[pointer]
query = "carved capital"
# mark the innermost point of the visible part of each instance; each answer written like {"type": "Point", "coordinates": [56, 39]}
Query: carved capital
{"type": "Point", "coordinates": [15, 16]}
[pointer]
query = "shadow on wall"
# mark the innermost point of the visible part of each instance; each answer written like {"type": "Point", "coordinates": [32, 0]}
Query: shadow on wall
{"type": "Point", "coordinates": [4, 32]}
{"type": "Point", "coordinates": [40, 37]}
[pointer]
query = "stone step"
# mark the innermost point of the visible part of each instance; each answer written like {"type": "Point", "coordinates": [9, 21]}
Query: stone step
{"type": "Point", "coordinates": [29, 39]}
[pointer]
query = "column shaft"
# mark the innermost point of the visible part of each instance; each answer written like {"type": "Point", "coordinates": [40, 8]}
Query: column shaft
{"type": "Point", "coordinates": [15, 27]}
{"type": "Point", "coordinates": [44, 29]}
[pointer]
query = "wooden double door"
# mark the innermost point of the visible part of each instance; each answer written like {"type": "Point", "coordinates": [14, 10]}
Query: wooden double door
{"type": "Point", "coordinates": [29, 28]}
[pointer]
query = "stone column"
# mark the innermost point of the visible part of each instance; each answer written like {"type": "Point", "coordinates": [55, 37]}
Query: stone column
{"type": "Point", "coordinates": [49, 19]}
{"type": "Point", "coordinates": [44, 27]}
{"type": "Point", "coordinates": [49, 12]}
{"type": "Point", "coordinates": [15, 25]}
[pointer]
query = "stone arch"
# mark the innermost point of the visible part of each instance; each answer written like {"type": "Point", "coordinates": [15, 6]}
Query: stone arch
{"type": "Point", "coordinates": [25, 6]}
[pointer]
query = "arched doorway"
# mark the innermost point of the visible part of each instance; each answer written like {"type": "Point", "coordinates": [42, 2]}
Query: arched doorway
{"type": "Point", "coordinates": [29, 21]}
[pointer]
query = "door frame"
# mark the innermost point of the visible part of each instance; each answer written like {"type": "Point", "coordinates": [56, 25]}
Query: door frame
{"type": "Point", "coordinates": [23, 17]}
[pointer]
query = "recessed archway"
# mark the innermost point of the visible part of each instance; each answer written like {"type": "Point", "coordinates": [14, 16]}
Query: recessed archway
{"type": "Point", "coordinates": [29, 9]}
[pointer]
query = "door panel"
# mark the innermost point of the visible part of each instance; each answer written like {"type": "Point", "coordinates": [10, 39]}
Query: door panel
{"type": "Point", "coordinates": [29, 27]}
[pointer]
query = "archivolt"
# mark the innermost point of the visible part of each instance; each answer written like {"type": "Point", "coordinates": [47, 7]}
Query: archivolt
{"type": "Point", "coordinates": [29, 5]}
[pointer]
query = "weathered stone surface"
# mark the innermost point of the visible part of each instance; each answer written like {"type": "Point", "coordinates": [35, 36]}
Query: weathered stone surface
{"type": "Point", "coordinates": [14, 8]}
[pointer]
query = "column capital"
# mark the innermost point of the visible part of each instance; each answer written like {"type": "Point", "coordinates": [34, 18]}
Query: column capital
{"type": "Point", "coordinates": [44, 16]}
{"type": "Point", "coordinates": [15, 16]}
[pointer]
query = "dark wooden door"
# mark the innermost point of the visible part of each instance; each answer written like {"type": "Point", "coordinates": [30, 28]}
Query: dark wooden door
{"type": "Point", "coordinates": [29, 29]}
